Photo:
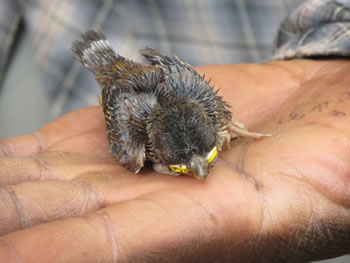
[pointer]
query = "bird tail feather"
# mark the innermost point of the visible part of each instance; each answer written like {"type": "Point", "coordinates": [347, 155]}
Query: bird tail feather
{"type": "Point", "coordinates": [94, 51]}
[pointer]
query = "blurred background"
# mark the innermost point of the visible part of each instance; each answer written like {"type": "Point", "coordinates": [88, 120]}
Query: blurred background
{"type": "Point", "coordinates": [40, 80]}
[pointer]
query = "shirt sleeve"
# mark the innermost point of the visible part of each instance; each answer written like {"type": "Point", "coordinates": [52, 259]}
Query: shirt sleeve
{"type": "Point", "coordinates": [317, 28]}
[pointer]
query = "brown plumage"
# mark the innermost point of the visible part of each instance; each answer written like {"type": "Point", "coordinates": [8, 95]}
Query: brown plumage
{"type": "Point", "coordinates": [164, 112]}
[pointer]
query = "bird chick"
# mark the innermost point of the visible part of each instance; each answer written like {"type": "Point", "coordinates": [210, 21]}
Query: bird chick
{"type": "Point", "coordinates": [164, 111]}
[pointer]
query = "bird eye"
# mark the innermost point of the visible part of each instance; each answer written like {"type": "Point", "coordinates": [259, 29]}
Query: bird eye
{"type": "Point", "coordinates": [212, 154]}
{"type": "Point", "coordinates": [179, 168]}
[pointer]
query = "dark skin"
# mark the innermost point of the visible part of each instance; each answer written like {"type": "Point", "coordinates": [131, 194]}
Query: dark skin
{"type": "Point", "coordinates": [281, 199]}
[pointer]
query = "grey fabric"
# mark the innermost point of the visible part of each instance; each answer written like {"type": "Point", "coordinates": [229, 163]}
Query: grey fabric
{"type": "Point", "coordinates": [198, 31]}
{"type": "Point", "coordinates": [316, 28]}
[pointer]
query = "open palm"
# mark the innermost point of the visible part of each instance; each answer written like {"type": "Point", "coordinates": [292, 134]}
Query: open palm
{"type": "Point", "coordinates": [282, 199]}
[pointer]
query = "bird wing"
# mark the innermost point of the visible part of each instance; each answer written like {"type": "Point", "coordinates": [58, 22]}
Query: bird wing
{"type": "Point", "coordinates": [183, 80]}
{"type": "Point", "coordinates": [129, 91]}
{"type": "Point", "coordinates": [126, 114]}
{"type": "Point", "coordinates": [176, 72]}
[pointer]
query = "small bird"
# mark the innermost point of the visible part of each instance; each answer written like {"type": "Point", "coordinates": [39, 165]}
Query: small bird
{"type": "Point", "coordinates": [165, 111]}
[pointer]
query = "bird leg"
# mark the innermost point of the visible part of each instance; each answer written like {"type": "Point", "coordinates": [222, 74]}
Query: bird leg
{"type": "Point", "coordinates": [224, 136]}
{"type": "Point", "coordinates": [238, 128]}
{"type": "Point", "coordinates": [163, 169]}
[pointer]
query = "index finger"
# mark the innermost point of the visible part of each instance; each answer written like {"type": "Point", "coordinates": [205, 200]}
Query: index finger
{"type": "Point", "coordinates": [134, 230]}
{"type": "Point", "coordinates": [69, 125]}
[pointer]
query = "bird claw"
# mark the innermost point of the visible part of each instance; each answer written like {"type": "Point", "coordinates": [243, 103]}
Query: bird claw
{"type": "Point", "coordinates": [228, 138]}
{"type": "Point", "coordinates": [163, 169]}
{"type": "Point", "coordinates": [241, 130]}
{"type": "Point", "coordinates": [225, 136]}
{"type": "Point", "coordinates": [238, 124]}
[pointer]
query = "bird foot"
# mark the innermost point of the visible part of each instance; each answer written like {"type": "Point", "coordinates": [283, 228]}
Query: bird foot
{"type": "Point", "coordinates": [240, 129]}
{"type": "Point", "coordinates": [163, 169]}
{"type": "Point", "coordinates": [225, 136]}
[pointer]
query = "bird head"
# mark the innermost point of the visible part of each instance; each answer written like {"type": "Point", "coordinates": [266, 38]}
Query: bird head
{"type": "Point", "coordinates": [182, 137]}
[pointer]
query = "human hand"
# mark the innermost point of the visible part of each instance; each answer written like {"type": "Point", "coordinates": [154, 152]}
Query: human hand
{"type": "Point", "coordinates": [282, 199]}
